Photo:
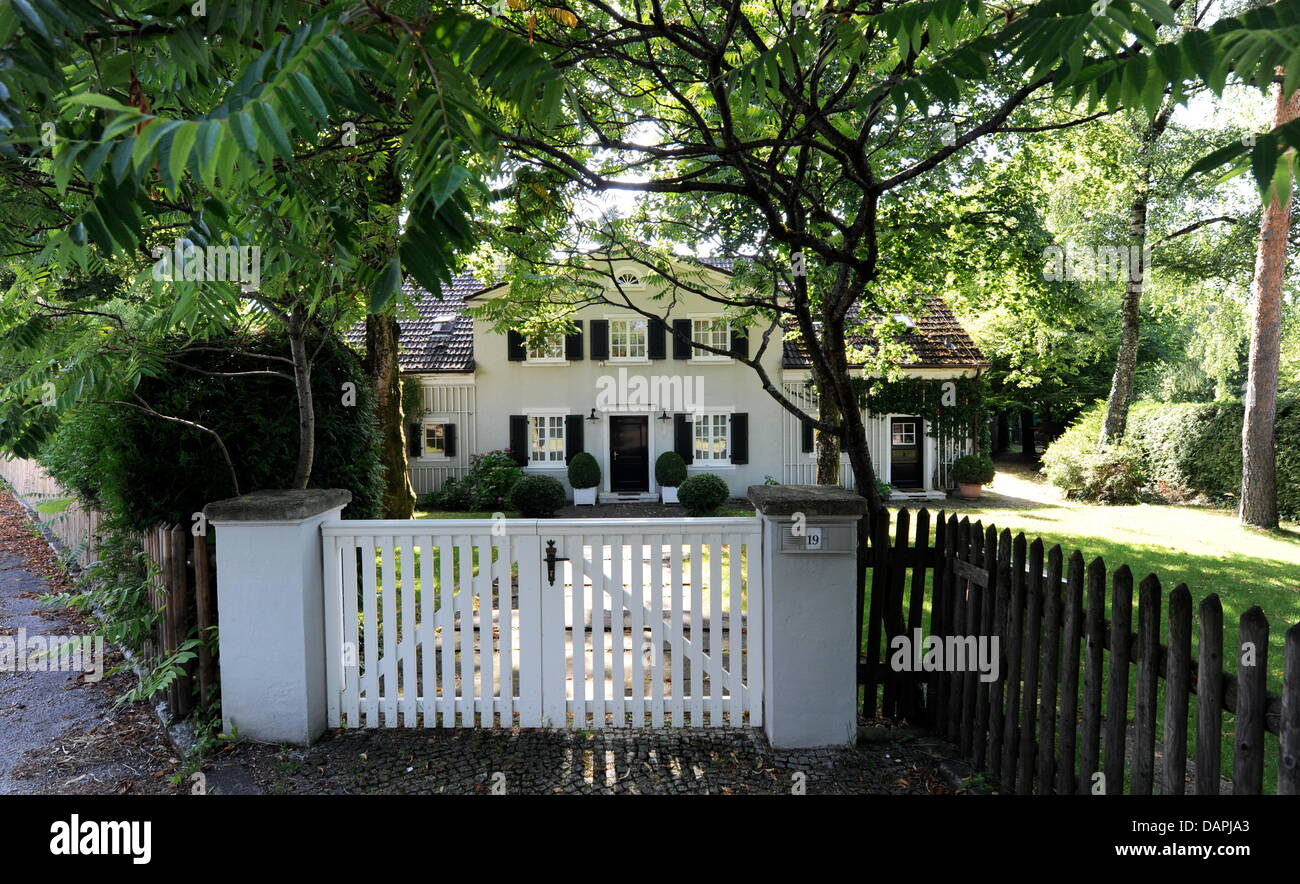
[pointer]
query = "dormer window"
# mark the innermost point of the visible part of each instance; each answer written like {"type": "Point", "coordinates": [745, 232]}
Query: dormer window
{"type": "Point", "coordinates": [904, 320]}
{"type": "Point", "coordinates": [443, 324]}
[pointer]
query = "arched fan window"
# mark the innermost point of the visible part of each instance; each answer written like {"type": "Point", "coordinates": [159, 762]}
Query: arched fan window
{"type": "Point", "coordinates": [628, 280]}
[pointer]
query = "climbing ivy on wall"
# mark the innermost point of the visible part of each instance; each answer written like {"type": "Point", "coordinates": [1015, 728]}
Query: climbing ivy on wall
{"type": "Point", "coordinates": [932, 400]}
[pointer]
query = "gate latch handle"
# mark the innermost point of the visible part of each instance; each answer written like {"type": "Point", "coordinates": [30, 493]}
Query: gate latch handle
{"type": "Point", "coordinates": [551, 559]}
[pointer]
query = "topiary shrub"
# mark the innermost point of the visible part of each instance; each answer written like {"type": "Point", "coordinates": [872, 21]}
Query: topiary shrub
{"type": "Point", "coordinates": [584, 472]}
{"type": "Point", "coordinates": [702, 494]}
{"type": "Point", "coordinates": [972, 469]}
{"type": "Point", "coordinates": [670, 469]}
{"type": "Point", "coordinates": [536, 497]}
{"type": "Point", "coordinates": [144, 470]}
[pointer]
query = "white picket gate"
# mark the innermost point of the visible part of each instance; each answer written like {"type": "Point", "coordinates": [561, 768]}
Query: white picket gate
{"type": "Point", "coordinates": [626, 622]}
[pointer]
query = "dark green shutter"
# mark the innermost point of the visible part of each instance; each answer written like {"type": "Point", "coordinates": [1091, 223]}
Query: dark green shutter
{"type": "Point", "coordinates": [600, 339]}
{"type": "Point", "coordinates": [519, 438]}
{"type": "Point", "coordinates": [573, 344]}
{"type": "Point", "coordinates": [806, 434]}
{"type": "Point", "coordinates": [740, 342]}
{"type": "Point", "coordinates": [449, 437]}
{"type": "Point", "coordinates": [681, 339]}
{"type": "Point", "coordinates": [573, 430]}
{"type": "Point", "coordinates": [683, 438]}
{"type": "Point", "coordinates": [515, 349]}
{"type": "Point", "coordinates": [414, 442]}
{"type": "Point", "coordinates": [655, 346]}
{"type": "Point", "coordinates": [740, 437]}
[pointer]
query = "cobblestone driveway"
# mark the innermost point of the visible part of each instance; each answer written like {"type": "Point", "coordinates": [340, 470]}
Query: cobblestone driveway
{"type": "Point", "coordinates": [687, 761]}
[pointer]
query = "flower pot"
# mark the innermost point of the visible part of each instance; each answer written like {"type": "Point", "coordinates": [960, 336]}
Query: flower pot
{"type": "Point", "coordinates": [668, 494]}
{"type": "Point", "coordinates": [584, 496]}
{"type": "Point", "coordinates": [969, 492]}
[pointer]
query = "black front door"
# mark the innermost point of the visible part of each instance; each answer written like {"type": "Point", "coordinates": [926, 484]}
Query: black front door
{"type": "Point", "coordinates": [905, 452]}
{"type": "Point", "coordinates": [629, 453]}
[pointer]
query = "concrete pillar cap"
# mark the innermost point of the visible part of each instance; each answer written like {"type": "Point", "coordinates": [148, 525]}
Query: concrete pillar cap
{"type": "Point", "coordinates": [811, 500]}
{"type": "Point", "coordinates": [277, 505]}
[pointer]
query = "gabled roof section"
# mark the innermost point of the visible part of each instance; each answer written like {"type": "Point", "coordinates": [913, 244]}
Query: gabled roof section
{"type": "Point", "coordinates": [440, 337]}
{"type": "Point", "coordinates": [936, 338]}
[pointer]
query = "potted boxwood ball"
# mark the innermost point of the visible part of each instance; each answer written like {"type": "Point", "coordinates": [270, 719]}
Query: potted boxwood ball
{"type": "Point", "coordinates": [584, 476]}
{"type": "Point", "coordinates": [670, 473]}
{"type": "Point", "coordinates": [971, 472]}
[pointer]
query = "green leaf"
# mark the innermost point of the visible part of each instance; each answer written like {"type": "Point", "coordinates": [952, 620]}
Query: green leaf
{"type": "Point", "coordinates": [269, 123]}
{"type": "Point", "coordinates": [94, 99]}
{"type": "Point", "coordinates": [182, 143]}
{"type": "Point", "coordinates": [387, 286]}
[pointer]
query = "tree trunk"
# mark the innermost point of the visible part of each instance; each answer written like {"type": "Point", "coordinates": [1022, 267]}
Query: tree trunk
{"type": "Point", "coordinates": [1027, 446]}
{"type": "Point", "coordinates": [828, 444]}
{"type": "Point", "coordinates": [297, 328]}
{"type": "Point", "coordinates": [1121, 387]}
{"type": "Point", "coordinates": [385, 376]}
{"type": "Point", "coordinates": [1258, 445]}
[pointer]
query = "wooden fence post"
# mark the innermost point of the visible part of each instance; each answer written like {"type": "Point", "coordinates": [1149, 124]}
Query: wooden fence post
{"type": "Point", "coordinates": [879, 581]}
{"type": "Point", "coordinates": [1144, 718]}
{"type": "Point", "coordinates": [1029, 700]}
{"type": "Point", "coordinates": [1288, 764]}
{"type": "Point", "coordinates": [894, 622]}
{"type": "Point", "coordinates": [1209, 698]}
{"type": "Point", "coordinates": [970, 628]}
{"type": "Point", "coordinates": [957, 622]}
{"type": "Point", "coordinates": [1252, 700]}
{"type": "Point", "coordinates": [1051, 673]}
{"type": "Point", "coordinates": [936, 699]}
{"type": "Point", "coordinates": [912, 706]}
{"type": "Point", "coordinates": [1121, 620]}
{"type": "Point", "coordinates": [1095, 631]}
{"type": "Point", "coordinates": [1178, 670]}
{"type": "Point", "coordinates": [1069, 724]}
{"type": "Point", "coordinates": [1015, 633]}
{"type": "Point", "coordinates": [1001, 578]}
{"type": "Point", "coordinates": [986, 632]}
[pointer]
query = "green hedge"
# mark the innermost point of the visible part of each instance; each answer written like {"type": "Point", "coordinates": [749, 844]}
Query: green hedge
{"type": "Point", "coordinates": [1185, 449]}
{"type": "Point", "coordinates": [144, 470]}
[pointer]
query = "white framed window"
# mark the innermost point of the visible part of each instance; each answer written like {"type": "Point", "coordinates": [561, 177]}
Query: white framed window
{"type": "Point", "coordinates": [712, 436]}
{"type": "Point", "coordinates": [546, 351]}
{"type": "Point", "coordinates": [627, 339]}
{"type": "Point", "coordinates": [546, 440]}
{"type": "Point", "coordinates": [904, 433]}
{"type": "Point", "coordinates": [435, 440]}
{"type": "Point", "coordinates": [711, 331]}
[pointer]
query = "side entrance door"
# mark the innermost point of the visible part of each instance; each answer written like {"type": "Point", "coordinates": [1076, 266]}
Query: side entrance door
{"type": "Point", "coordinates": [629, 453]}
{"type": "Point", "coordinates": [905, 466]}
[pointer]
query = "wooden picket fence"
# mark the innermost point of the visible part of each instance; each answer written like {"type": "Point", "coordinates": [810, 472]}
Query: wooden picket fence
{"type": "Point", "coordinates": [182, 593]}
{"type": "Point", "coordinates": [1040, 726]}
{"type": "Point", "coordinates": [182, 585]}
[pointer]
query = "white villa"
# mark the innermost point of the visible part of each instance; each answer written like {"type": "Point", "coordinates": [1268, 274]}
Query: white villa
{"type": "Point", "coordinates": [627, 389]}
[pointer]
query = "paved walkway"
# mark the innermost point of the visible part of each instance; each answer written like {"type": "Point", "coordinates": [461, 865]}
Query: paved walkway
{"type": "Point", "coordinates": [59, 732]}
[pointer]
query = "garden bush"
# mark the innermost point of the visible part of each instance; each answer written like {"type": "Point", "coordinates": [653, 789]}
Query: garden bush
{"type": "Point", "coordinates": [1183, 450]}
{"type": "Point", "coordinates": [143, 470]}
{"type": "Point", "coordinates": [702, 494]}
{"type": "Point", "coordinates": [972, 469]}
{"type": "Point", "coordinates": [584, 472]}
{"type": "Point", "coordinates": [670, 469]}
{"type": "Point", "coordinates": [484, 488]}
{"type": "Point", "coordinates": [536, 496]}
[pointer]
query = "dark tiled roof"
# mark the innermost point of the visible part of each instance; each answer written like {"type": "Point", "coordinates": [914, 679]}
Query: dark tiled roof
{"type": "Point", "coordinates": [440, 337]}
{"type": "Point", "coordinates": [432, 343]}
{"type": "Point", "coordinates": [937, 340]}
